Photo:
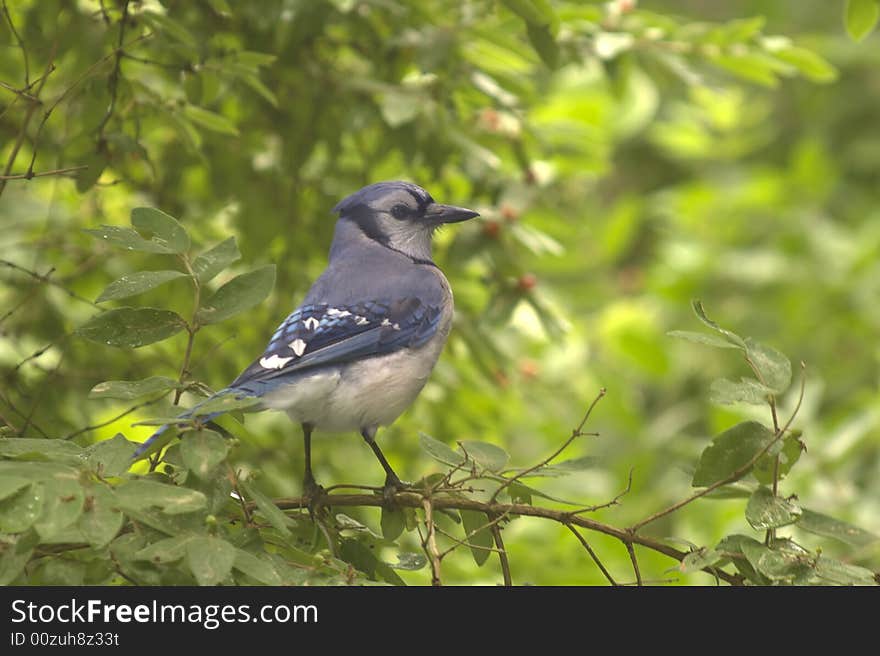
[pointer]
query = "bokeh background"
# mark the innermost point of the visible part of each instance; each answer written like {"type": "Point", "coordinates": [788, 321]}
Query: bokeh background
{"type": "Point", "coordinates": [625, 158]}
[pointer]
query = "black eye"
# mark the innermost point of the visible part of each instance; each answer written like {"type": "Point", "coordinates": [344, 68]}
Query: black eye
{"type": "Point", "coordinates": [400, 211]}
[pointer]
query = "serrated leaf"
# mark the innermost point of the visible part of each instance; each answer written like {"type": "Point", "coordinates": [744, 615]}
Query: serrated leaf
{"type": "Point", "coordinates": [765, 510]}
{"type": "Point", "coordinates": [747, 390]}
{"type": "Point", "coordinates": [127, 238]}
{"type": "Point", "coordinates": [702, 338]}
{"type": "Point", "coordinates": [730, 451]}
{"type": "Point", "coordinates": [173, 500]}
{"type": "Point", "coordinates": [270, 511]}
{"type": "Point", "coordinates": [210, 120]}
{"type": "Point", "coordinates": [732, 338]}
{"type": "Point", "coordinates": [130, 327]}
{"type": "Point", "coordinates": [214, 260]}
{"type": "Point", "coordinates": [128, 390]}
{"type": "Point", "coordinates": [162, 228]}
{"type": "Point", "coordinates": [210, 559]}
{"type": "Point", "coordinates": [478, 537]}
{"type": "Point", "coordinates": [239, 294]}
{"type": "Point", "coordinates": [830, 527]}
{"type": "Point", "coordinates": [202, 451]}
{"type": "Point", "coordinates": [19, 511]}
{"type": "Point", "coordinates": [861, 17]}
{"type": "Point", "coordinates": [100, 521]}
{"type": "Point", "coordinates": [697, 560]}
{"type": "Point", "coordinates": [488, 456]}
{"type": "Point", "coordinates": [137, 283]}
{"type": "Point", "coordinates": [439, 451]}
{"type": "Point", "coordinates": [256, 568]}
{"type": "Point", "coordinates": [392, 523]}
{"type": "Point", "coordinates": [774, 368]}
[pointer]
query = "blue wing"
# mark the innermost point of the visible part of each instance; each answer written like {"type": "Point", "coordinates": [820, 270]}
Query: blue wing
{"type": "Point", "coordinates": [317, 335]}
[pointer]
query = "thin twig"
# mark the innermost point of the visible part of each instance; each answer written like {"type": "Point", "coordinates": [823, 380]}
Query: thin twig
{"type": "Point", "coordinates": [44, 278]}
{"type": "Point", "coordinates": [30, 174]}
{"type": "Point", "coordinates": [575, 433]}
{"type": "Point", "coordinates": [635, 563]}
{"type": "Point", "coordinates": [592, 553]}
{"type": "Point", "coordinates": [110, 421]}
{"type": "Point", "coordinates": [113, 80]}
{"type": "Point", "coordinates": [502, 555]}
{"type": "Point", "coordinates": [27, 70]}
{"type": "Point", "coordinates": [430, 542]}
{"type": "Point", "coordinates": [608, 504]}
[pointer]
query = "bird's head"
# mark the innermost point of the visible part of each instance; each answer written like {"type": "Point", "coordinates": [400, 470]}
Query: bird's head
{"type": "Point", "coordinates": [399, 215]}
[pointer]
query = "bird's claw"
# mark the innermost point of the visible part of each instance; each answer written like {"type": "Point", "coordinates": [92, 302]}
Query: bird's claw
{"type": "Point", "coordinates": [392, 486]}
{"type": "Point", "coordinates": [313, 495]}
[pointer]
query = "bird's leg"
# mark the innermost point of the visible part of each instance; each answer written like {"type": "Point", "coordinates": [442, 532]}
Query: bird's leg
{"type": "Point", "coordinates": [312, 492]}
{"type": "Point", "coordinates": [393, 484]}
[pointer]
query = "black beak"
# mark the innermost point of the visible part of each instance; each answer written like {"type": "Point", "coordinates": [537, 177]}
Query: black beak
{"type": "Point", "coordinates": [437, 213]}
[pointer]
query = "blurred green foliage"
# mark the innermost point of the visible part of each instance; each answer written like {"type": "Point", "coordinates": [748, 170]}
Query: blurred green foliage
{"type": "Point", "coordinates": [625, 157]}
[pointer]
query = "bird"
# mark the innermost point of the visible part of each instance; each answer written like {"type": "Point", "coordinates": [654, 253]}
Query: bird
{"type": "Point", "coordinates": [361, 346]}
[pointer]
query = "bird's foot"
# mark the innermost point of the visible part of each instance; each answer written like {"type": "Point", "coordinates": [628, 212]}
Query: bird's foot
{"type": "Point", "coordinates": [314, 495]}
{"type": "Point", "coordinates": [392, 486]}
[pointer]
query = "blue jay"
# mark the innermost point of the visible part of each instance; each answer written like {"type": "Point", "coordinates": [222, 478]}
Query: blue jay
{"type": "Point", "coordinates": [361, 346]}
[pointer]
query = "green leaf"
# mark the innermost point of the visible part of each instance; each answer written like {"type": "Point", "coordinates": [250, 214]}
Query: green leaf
{"type": "Point", "coordinates": [480, 539]}
{"type": "Point", "coordinates": [820, 524]}
{"type": "Point", "coordinates": [63, 500]}
{"type": "Point", "coordinates": [563, 468]}
{"type": "Point", "coordinates": [732, 338]}
{"type": "Point", "coordinates": [488, 456]}
{"type": "Point", "coordinates": [785, 561]}
{"type": "Point", "coordinates": [100, 521]}
{"type": "Point", "coordinates": [255, 83]}
{"type": "Point", "coordinates": [129, 327]}
{"type": "Point", "coordinates": [256, 59]}
{"type": "Point", "coordinates": [27, 448]}
{"type": "Point", "coordinates": [439, 451]}
{"type": "Point", "coordinates": [167, 550]}
{"type": "Point", "coordinates": [214, 260]}
{"type": "Point", "coordinates": [831, 571]}
{"type": "Point", "coordinates": [774, 368]}
{"type": "Point", "coordinates": [164, 25]}
{"type": "Point", "coordinates": [173, 500]}
{"type": "Point", "coordinates": [19, 511]}
{"type": "Point", "coordinates": [210, 559]}
{"type": "Point", "coordinates": [730, 451]}
{"type": "Point", "coordinates": [239, 294]}
{"type": "Point", "coordinates": [861, 17]}
{"type": "Point", "coordinates": [111, 457]}
{"type": "Point", "coordinates": [808, 63]}
{"type": "Point", "coordinates": [393, 522]}
{"type": "Point", "coordinates": [537, 12]}
{"type": "Point", "coordinates": [747, 390]}
{"type": "Point", "coordinates": [202, 451]}
{"type": "Point", "coordinates": [256, 568]}
{"type": "Point", "coordinates": [544, 43]}
{"type": "Point", "coordinates": [9, 485]}
{"type": "Point", "coordinates": [702, 338]}
{"type": "Point", "coordinates": [15, 556]}
{"type": "Point", "coordinates": [128, 239]}
{"type": "Point", "coordinates": [789, 452]}
{"type": "Point", "coordinates": [765, 510]}
{"type": "Point", "coordinates": [210, 121]}
{"type": "Point", "coordinates": [271, 512]}
{"type": "Point", "coordinates": [225, 403]}
{"type": "Point", "coordinates": [137, 283]}
{"type": "Point", "coordinates": [752, 67]}
{"type": "Point", "coordinates": [162, 228]}
{"type": "Point", "coordinates": [128, 390]}
{"type": "Point", "coordinates": [399, 107]}
{"type": "Point", "coordinates": [697, 560]}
